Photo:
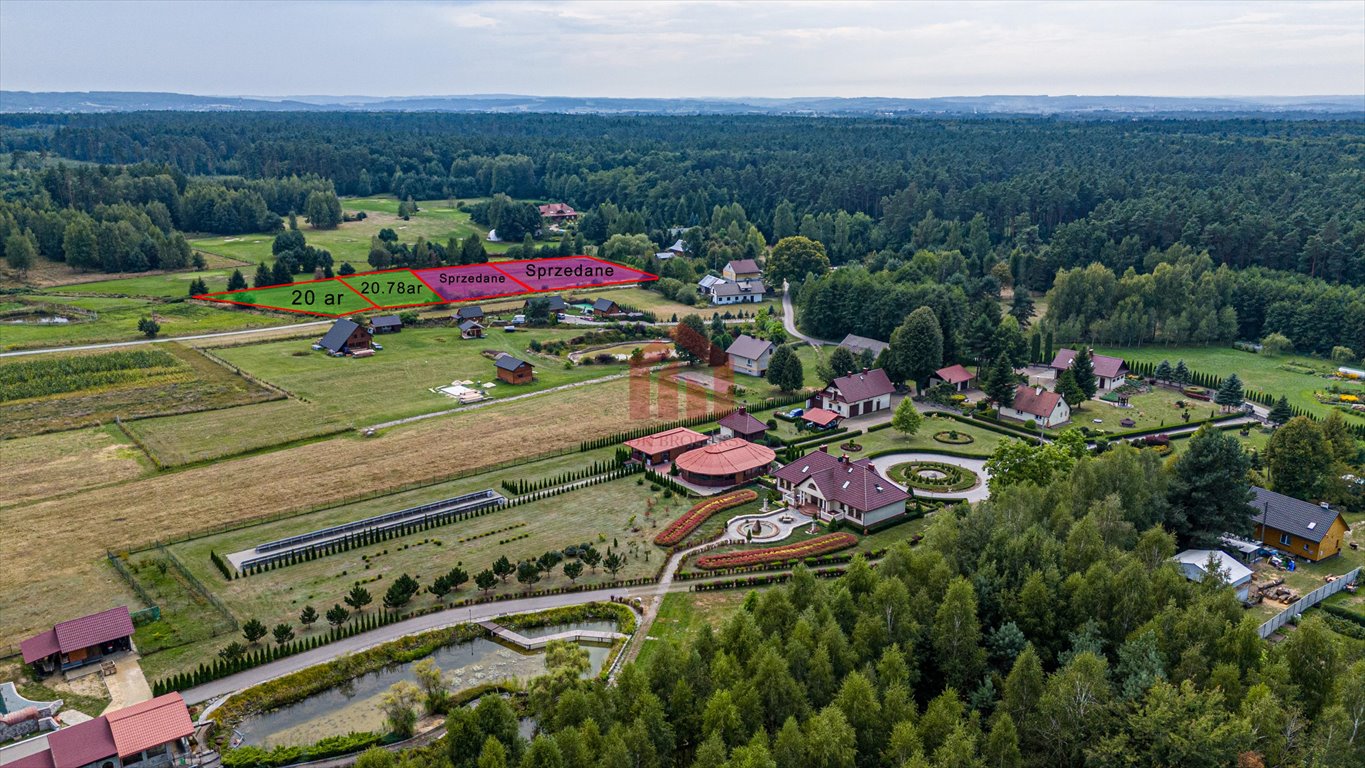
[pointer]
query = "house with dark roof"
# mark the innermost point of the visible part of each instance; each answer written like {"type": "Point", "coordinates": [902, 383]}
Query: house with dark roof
{"type": "Point", "coordinates": [513, 370]}
{"type": "Point", "coordinates": [78, 642]}
{"type": "Point", "coordinates": [738, 293]}
{"type": "Point", "coordinates": [1037, 404]}
{"type": "Point", "coordinates": [663, 447]}
{"type": "Point", "coordinates": [152, 734]}
{"type": "Point", "coordinates": [557, 212]}
{"type": "Point", "coordinates": [742, 269]}
{"type": "Point", "coordinates": [1109, 371]}
{"type": "Point", "coordinates": [386, 324]}
{"type": "Point", "coordinates": [708, 282]}
{"type": "Point", "coordinates": [741, 423]}
{"type": "Point", "coordinates": [474, 312]}
{"type": "Point", "coordinates": [605, 308]}
{"type": "Point", "coordinates": [471, 329]}
{"type": "Point", "coordinates": [836, 488]}
{"type": "Point", "coordinates": [749, 355]}
{"type": "Point", "coordinates": [856, 394]}
{"type": "Point", "coordinates": [346, 337]}
{"type": "Point", "coordinates": [555, 303]}
{"type": "Point", "coordinates": [1296, 527]}
{"type": "Point", "coordinates": [955, 376]}
{"type": "Point", "coordinates": [862, 345]}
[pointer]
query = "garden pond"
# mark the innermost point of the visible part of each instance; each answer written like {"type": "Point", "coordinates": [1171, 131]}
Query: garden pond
{"type": "Point", "coordinates": [355, 706]}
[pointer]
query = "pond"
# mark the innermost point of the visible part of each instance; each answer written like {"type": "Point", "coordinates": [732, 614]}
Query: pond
{"type": "Point", "coordinates": [36, 319]}
{"type": "Point", "coordinates": [355, 706]}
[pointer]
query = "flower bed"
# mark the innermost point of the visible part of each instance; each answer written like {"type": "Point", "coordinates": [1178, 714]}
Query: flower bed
{"type": "Point", "coordinates": [954, 478]}
{"type": "Point", "coordinates": [953, 437]}
{"type": "Point", "coordinates": [820, 545]}
{"type": "Point", "coordinates": [689, 520]}
{"type": "Point", "coordinates": [851, 447]}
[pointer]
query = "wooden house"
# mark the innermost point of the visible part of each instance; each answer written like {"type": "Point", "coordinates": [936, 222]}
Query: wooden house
{"type": "Point", "coordinates": [386, 324]}
{"type": "Point", "coordinates": [471, 329]}
{"type": "Point", "coordinates": [346, 337]}
{"type": "Point", "coordinates": [1296, 527]}
{"type": "Point", "coordinates": [513, 370]}
{"type": "Point", "coordinates": [605, 308]}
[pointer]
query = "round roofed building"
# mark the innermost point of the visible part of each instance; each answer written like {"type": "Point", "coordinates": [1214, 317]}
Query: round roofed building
{"type": "Point", "coordinates": [730, 462]}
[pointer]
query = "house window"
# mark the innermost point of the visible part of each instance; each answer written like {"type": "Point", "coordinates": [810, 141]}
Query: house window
{"type": "Point", "coordinates": [1284, 539]}
{"type": "Point", "coordinates": [1307, 548]}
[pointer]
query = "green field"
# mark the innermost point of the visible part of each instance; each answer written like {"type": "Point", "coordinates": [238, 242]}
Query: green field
{"type": "Point", "coordinates": [190, 438]}
{"type": "Point", "coordinates": [171, 285]}
{"type": "Point", "coordinates": [983, 441]}
{"type": "Point", "coordinates": [329, 297]}
{"type": "Point", "coordinates": [99, 319]}
{"type": "Point", "coordinates": [1257, 371]}
{"type": "Point", "coordinates": [394, 289]}
{"type": "Point", "coordinates": [682, 613]}
{"type": "Point", "coordinates": [396, 382]}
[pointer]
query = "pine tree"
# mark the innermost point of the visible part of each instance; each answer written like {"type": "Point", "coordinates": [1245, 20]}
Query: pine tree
{"type": "Point", "coordinates": [235, 281]}
{"type": "Point", "coordinates": [1230, 393]}
{"type": "Point", "coordinates": [1181, 374]}
{"type": "Point", "coordinates": [1163, 371]}
{"type": "Point", "coordinates": [1021, 307]}
{"type": "Point", "coordinates": [262, 278]}
{"type": "Point", "coordinates": [1000, 382]}
{"type": "Point", "coordinates": [1083, 367]}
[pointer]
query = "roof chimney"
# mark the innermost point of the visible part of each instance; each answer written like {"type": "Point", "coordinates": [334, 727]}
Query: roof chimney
{"type": "Point", "coordinates": [824, 448]}
{"type": "Point", "coordinates": [1038, 390]}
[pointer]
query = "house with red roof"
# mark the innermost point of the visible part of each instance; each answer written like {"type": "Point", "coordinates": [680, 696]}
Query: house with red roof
{"type": "Point", "coordinates": [835, 488]}
{"type": "Point", "coordinates": [663, 447]}
{"type": "Point", "coordinates": [856, 394]}
{"type": "Point", "coordinates": [720, 465]}
{"type": "Point", "coordinates": [557, 212]}
{"type": "Point", "coordinates": [152, 734]}
{"type": "Point", "coordinates": [959, 378]}
{"type": "Point", "coordinates": [78, 642]}
{"type": "Point", "coordinates": [741, 423]}
{"type": "Point", "coordinates": [1109, 371]}
{"type": "Point", "coordinates": [1037, 404]}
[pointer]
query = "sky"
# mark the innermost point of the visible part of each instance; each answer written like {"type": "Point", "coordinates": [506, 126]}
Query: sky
{"type": "Point", "coordinates": [663, 48]}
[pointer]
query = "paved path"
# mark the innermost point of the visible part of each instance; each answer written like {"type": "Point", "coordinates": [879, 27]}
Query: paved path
{"type": "Point", "coordinates": [980, 492]}
{"type": "Point", "coordinates": [789, 319]}
{"type": "Point", "coordinates": [735, 528]}
{"type": "Point", "coordinates": [164, 339]}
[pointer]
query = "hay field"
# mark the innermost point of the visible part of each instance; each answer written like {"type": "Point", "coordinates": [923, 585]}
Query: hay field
{"type": "Point", "coordinates": [66, 462]}
{"type": "Point", "coordinates": [83, 526]}
{"type": "Point", "coordinates": [193, 437]}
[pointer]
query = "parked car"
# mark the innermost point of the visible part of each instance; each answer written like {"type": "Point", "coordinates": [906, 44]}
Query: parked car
{"type": "Point", "coordinates": [317, 347]}
{"type": "Point", "coordinates": [377, 346]}
{"type": "Point", "coordinates": [518, 319]}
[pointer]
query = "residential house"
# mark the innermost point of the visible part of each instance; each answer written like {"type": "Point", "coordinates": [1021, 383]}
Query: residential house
{"type": "Point", "coordinates": [856, 394]}
{"type": "Point", "coordinates": [346, 337]}
{"type": "Point", "coordinates": [1037, 404]}
{"type": "Point", "coordinates": [835, 488]}
{"type": "Point", "coordinates": [707, 283]}
{"type": "Point", "coordinates": [386, 324]}
{"type": "Point", "coordinates": [741, 423]}
{"type": "Point", "coordinates": [605, 308]}
{"type": "Point", "coordinates": [151, 734]}
{"type": "Point", "coordinates": [472, 312]}
{"type": "Point", "coordinates": [555, 303]}
{"type": "Point", "coordinates": [742, 269]}
{"type": "Point", "coordinates": [678, 248]}
{"type": "Point", "coordinates": [862, 346]}
{"type": "Point", "coordinates": [78, 642]}
{"type": "Point", "coordinates": [471, 329]}
{"type": "Point", "coordinates": [728, 463]}
{"type": "Point", "coordinates": [959, 378]}
{"type": "Point", "coordinates": [513, 370]}
{"type": "Point", "coordinates": [738, 293]}
{"type": "Point", "coordinates": [1195, 564]}
{"type": "Point", "coordinates": [557, 212]}
{"type": "Point", "coordinates": [663, 447]}
{"type": "Point", "coordinates": [1109, 371]}
{"type": "Point", "coordinates": [750, 356]}
{"type": "Point", "coordinates": [1297, 527]}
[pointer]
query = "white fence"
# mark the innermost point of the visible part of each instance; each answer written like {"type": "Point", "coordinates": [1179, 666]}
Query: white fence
{"type": "Point", "coordinates": [1308, 601]}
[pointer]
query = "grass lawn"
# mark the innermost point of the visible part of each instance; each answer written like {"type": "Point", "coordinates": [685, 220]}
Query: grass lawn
{"type": "Point", "coordinates": [610, 516]}
{"type": "Point", "coordinates": [756, 390]}
{"type": "Point", "coordinates": [170, 285]}
{"type": "Point", "coordinates": [682, 613]}
{"type": "Point", "coordinates": [115, 319]}
{"type": "Point", "coordinates": [86, 703]}
{"type": "Point", "coordinates": [396, 382]}
{"type": "Point", "coordinates": [1257, 371]}
{"type": "Point", "coordinates": [194, 437]}
{"type": "Point", "coordinates": [328, 298]}
{"type": "Point", "coordinates": [983, 442]}
{"type": "Point", "coordinates": [187, 615]}
{"type": "Point", "coordinates": [67, 462]}
{"type": "Point", "coordinates": [1151, 410]}
{"type": "Point", "coordinates": [664, 309]}
{"type": "Point", "coordinates": [184, 381]}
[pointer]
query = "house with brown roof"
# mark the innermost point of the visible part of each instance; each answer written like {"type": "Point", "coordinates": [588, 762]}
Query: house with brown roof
{"type": "Point", "coordinates": [836, 488]}
{"type": "Point", "coordinates": [728, 463]}
{"type": "Point", "coordinates": [1109, 371]}
{"type": "Point", "coordinates": [749, 356]}
{"type": "Point", "coordinates": [663, 447]}
{"type": "Point", "coordinates": [346, 337]}
{"type": "Point", "coordinates": [78, 642]}
{"type": "Point", "coordinates": [741, 269]}
{"type": "Point", "coordinates": [856, 394]}
{"type": "Point", "coordinates": [741, 423]}
{"type": "Point", "coordinates": [1037, 404]}
{"type": "Point", "coordinates": [513, 370]}
{"type": "Point", "coordinates": [557, 212]}
{"type": "Point", "coordinates": [955, 376]}
{"type": "Point", "coordinates": [1297, 527]}
{"type": "Point", "coordinates": [149, 735]}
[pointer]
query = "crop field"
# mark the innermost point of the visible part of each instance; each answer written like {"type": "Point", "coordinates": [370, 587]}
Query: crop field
{"type": "Point", "coordinates": [1276, 375]}
{"type": "Point", "coordinates": [104, 319]}
{"type": "Point", "coordinates": [396, 382]}
{"type": "Point", "coordinates": [194, 437]}
{"type": "Point", "coordinates": [66, 462]}
{"type": "Point", "coordinates": [295, 479]}
{"type": "Point", "coordinates": [55, 392]}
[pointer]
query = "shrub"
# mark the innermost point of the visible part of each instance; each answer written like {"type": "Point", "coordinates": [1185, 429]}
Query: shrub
{"type": "Point", "coordinates": [830, 542]}
{"type": "Point", "coordinates": [688, 522]}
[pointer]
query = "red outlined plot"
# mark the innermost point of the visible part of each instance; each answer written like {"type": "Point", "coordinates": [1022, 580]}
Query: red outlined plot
{"type": "Point", "coordinates": [429, 286]}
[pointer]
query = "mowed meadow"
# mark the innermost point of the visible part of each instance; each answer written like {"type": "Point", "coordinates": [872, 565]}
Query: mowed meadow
{"type": "Point", "coordinates": [84, 525]}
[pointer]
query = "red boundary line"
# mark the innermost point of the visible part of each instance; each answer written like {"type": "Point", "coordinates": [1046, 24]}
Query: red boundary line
{"type": "Point", "coordinates": [644, 278]}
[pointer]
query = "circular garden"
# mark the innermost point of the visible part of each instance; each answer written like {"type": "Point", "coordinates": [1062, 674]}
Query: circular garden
{"type": "Point", "coordinates": [934, 476]}
{"type": "Point", "coordinates": [953, 437]}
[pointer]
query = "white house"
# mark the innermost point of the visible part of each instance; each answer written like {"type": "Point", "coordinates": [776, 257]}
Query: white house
{"type": "Point", "coordinates": [708, 282]}
{"type": "Point", "coordinates": [1195, 564]}
{"type": "Point", "coordinates": [835, 488]}
{"type": "Point", "coordinates": [1037, 404]}
{"type": "Point", "coordinates": [1109, 371]}
{"type": "Point", "coordinates": [737, 293]}
{"type": "Point", "coordinates": [856, 394]}
{"type": "Point", "coordinates": [750, 356]}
